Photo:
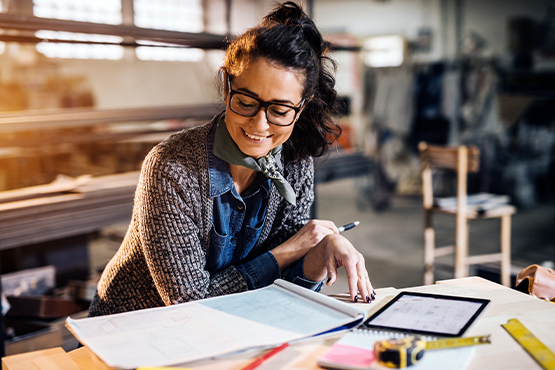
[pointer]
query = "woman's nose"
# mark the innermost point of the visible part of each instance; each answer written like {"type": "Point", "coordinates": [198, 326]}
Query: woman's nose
{"type": "Point", "coordinates": [260, 119]}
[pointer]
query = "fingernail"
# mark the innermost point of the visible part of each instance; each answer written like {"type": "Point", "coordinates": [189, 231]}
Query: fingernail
{"type": "Point", "coordinates": [327, 281]}
{"type": "Point", "coordinates": [373, 296]}
{"type": "Point", "coordinates": [373, 291]}
{"type": "Point", "coordinates": [356, 299]}
{"type": "Point", "coordinates": [367, 299]}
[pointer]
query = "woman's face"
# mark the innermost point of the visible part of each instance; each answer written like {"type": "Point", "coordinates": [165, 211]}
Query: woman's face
{"type": "Point", "coordinates": [255, 136]}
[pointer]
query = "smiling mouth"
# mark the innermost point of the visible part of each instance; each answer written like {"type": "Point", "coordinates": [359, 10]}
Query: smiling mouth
{"type": "Point", "coordinates": [254, 137]}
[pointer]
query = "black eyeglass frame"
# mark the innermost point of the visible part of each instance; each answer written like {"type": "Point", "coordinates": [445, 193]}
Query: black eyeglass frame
{"type": "Point", "coordinates": [263, 104]}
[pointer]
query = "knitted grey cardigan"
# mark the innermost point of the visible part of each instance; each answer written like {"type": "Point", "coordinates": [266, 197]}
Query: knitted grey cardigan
{"type": "Point", "coordinates": [163, 256]}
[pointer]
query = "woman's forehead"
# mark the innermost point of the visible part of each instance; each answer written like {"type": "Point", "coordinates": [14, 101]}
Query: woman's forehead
{"type": "Point", "coordinates": [265, 78]}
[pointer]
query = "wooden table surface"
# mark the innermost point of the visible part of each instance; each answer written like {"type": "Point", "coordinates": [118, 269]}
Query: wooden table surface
{"type": "Point", "coordinates": [504, 352]}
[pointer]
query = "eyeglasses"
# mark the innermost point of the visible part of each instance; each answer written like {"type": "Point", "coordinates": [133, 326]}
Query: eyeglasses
{"type": "Point", "coordinates": [249, 106]}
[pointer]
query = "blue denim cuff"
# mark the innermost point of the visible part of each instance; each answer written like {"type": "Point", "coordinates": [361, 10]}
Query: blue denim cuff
{"type": "Point", "coordinates": [261, 271]}
{"type": "Point", "coordinates": [295, 274]}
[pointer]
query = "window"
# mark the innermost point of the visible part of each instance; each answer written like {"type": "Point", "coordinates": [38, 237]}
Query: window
{"type": "Point", "coordinates": [384, 51]}
{"type": "Point", "coordinates": [173, 15]}
{"type": "Point", "coordinates": [97, 11]}
{"type": "Point", "coordinates": [56, 48]}
{"type": "Point", "coordinates": [74, 45]}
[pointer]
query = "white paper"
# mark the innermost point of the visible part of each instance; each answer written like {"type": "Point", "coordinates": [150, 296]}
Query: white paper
{"type": "Point", "coordinates": [206, 328]}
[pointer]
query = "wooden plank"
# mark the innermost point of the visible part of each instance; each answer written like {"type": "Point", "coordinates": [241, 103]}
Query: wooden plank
{"type": "Point", "coordinates": [483, 258]}
{"type": "Point", "coordinates": [87, 360]}
{"type": "Point", "coordinates": [475, 214]}
{"type": "Point", "coordinates": [506, 250]}
{"type": "Point", "coordinates": [80, 117]}
{"type": "Point", "coordinates": [47, 359]}
{"type": "Point", "coordinates": [100, 202]}
{"type": "Point", "coordinates": [444, 251]}
{"type": "Point", "coordinates": [62, 184]}
{"type": "Point", "coordinates": [69, 225]}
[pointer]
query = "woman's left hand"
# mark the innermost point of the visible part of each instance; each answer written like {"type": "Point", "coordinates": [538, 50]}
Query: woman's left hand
{"type": "Point", "coordinates": [332, 252]}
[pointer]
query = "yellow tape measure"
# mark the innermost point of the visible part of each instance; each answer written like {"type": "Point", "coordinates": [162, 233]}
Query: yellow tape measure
{"type": "Point", "coordinates": [399, 353]}
{"type": "Point", "coordinates": [403, 352]}
{"type": "Point", "coordinates": [543, 355]}
{"type": "Point", "coordinates": [458, 342]}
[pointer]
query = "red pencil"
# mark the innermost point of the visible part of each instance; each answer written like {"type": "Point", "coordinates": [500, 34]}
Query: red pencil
{"type": "Point", "coordinates": [264, 357]}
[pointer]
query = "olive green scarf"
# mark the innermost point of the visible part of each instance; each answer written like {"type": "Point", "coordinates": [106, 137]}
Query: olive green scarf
{"type": "Point", "coordinates": [225, 148]}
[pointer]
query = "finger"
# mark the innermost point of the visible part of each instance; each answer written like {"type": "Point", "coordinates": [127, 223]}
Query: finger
{"type": "Point", "coordinates": [364, 285]}
{"type": "Point", "coordinates": [328, 226]}
{"type": "Point", "coordinates": [368, 283]}
{"type": "Point", "coordinates": [363, 282]}
{"type": "Point", "coordinates": [334, 228]}
{"type": "Point", "coordinates": [371, 289]}
{"type": "Point", "coordinates": [363, 288]}
{"type": "Point", "coordinates": [332, 271]}
{"type": "Point", "coordinates": [352, 279]}
{"type": "Point", "coordinates": [332, 276]}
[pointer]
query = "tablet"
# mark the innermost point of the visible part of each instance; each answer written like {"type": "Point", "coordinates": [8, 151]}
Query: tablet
{"type": "Point", "coordinates": [427, 314]}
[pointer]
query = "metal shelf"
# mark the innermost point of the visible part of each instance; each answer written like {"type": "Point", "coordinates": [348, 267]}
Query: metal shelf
{"type": "Point", "coordinates": [32, 23]}
{"type": "Point", "coordinates": [88, 117]}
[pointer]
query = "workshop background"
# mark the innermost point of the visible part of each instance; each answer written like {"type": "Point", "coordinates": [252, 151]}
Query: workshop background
{"type": "Point", "coordinates": [87, 88]}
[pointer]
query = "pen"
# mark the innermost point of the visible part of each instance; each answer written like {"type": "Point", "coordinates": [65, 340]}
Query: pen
{"type": "Point", "coordinates": [348, 226]}
{"type": "Point", "coordinates": [264, 357]}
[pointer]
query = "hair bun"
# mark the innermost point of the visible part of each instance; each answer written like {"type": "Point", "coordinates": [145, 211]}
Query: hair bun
{"type": "Point", "coordinates": [285, 14]}
{"type": "Point", "coordinates": [293, 22]}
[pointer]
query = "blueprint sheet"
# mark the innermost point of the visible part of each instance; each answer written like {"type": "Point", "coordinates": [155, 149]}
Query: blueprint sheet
{"type": "Point", "coordinates": [207, 328]}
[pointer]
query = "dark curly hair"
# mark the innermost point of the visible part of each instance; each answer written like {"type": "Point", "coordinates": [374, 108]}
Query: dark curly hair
{"type": "Point", "coordinates": [290, 39]}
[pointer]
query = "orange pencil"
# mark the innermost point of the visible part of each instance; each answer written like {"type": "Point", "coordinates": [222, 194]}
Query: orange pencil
{"type": "Point", "coordinates": [264, 357]}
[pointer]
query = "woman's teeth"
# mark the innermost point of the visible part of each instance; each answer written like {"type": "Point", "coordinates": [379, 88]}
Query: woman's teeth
{"type": "Point", "coordinates": [254, 137]}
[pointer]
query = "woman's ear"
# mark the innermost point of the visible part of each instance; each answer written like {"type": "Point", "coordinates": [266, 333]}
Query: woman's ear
{"type": "Point", "coordinates": [226, 86]}
{"type": "Point", "coordinates": [307, 101]}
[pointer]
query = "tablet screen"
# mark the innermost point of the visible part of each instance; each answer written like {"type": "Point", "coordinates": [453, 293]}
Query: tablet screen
{"type": "Point", "coordinates": [427, 314]}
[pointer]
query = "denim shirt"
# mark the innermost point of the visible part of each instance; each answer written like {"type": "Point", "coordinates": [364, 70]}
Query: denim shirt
{"type": "Point", "coordinates": [236, 226]}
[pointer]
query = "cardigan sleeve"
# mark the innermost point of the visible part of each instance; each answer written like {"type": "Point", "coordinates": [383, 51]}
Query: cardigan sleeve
{"type": "Point", "coordinates": [171, 213]}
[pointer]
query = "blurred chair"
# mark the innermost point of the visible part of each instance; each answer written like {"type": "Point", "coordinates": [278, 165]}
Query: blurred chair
{"type": "Point", "coordinates": [462, 160]}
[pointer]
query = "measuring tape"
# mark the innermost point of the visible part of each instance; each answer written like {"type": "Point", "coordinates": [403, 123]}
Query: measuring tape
{"type": "Point", "coordinates": [458, 342]}
{"type": "Point", "coordinates": [403, 352]}
{"type": "Point", "coordinates": [543, 355]}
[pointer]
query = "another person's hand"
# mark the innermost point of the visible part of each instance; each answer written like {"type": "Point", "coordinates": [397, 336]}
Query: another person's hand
{"type": "Point", "coordinates": [302, 242]}
{"type": "Point", "coordinates": [332, 252]}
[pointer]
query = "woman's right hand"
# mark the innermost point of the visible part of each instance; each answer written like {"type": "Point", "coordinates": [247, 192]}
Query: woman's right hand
{"type": "Point", "coordinates": [302, 242]}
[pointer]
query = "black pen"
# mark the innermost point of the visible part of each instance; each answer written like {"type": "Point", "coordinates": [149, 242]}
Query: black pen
{"type": "Point", "coordinates": [348, 226]}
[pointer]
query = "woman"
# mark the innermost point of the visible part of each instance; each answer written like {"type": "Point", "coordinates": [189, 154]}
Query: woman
{"type": "Point", "coordinates": [224, 207]}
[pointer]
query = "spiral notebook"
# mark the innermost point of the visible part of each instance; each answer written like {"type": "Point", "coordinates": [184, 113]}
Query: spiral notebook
{"type": "Point", "coordinates": [429, 315]}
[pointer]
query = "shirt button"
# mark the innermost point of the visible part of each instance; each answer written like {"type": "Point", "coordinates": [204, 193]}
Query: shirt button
{"type": "Point", "coordinates": [233, 240]}
{"type": "Point", "coordinates": [240, 206]}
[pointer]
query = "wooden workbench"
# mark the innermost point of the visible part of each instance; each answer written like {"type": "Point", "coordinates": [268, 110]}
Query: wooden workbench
{"type": "Point", "coordinates": [503, 353]}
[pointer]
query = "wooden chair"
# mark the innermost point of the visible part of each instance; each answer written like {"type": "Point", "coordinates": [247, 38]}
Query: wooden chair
{"type": "Point", "coordinates": [462, 160]}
